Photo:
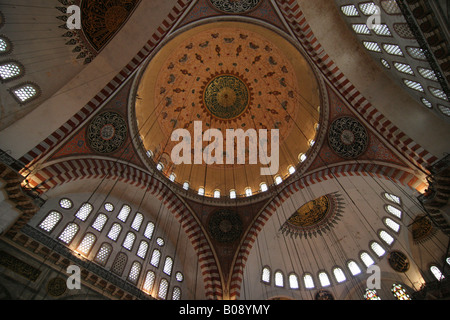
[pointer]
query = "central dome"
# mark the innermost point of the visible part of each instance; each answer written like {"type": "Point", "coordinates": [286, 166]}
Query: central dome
{"type": "Point", "coordinates": [227, 76]}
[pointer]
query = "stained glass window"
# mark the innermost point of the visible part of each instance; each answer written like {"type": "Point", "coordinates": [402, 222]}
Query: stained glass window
{"type": "Point", "coordinates": [371, 295]}
{"type": "Point", "coordinates": [391, 224]}
{"type": "Point", "coordinates": [399, 292]}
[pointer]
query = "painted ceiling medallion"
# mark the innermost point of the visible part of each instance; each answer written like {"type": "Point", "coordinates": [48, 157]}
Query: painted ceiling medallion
{"type": "Point", "coordinates": [225, 226]}
{"type": "Point", "coordinates": [235, 6]}
{"type": "Point", "coordinates": [226, 96]}
{"type": "Point", "coordinates": [315, 217]}
{"type": "Point", "coordinates": [348, 137]}
{"type": "Point", "coordinates": [107, 132]}
{"type": "Point", "coordinates": [398, 261]}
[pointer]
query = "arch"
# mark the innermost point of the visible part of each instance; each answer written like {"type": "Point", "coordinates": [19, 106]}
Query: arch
{"type": "Point", "coordinates": [397, 175]}
{"type": "Point", "coordinates": [65, 171]}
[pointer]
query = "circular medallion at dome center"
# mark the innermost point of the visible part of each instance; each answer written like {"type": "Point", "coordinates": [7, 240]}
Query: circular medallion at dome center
{"type": "Point", "coordinates": [226, 97]}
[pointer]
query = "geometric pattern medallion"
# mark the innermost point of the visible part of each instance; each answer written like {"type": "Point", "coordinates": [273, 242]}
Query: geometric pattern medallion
{"type": "Point", "coordinates": [107, 132]}
{"type": "Point", "coordinates": [348, 138]}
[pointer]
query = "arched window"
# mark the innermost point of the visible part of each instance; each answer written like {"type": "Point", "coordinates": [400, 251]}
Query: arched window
{"type": "Point", "coordinates": [148, 233]}
{"type": "Point", "coordinates": [339, 275]}
{"type": "Point", "coordinates": [353, 267]}
{"type": "Point", "coordinates": [293, 281]}
{"type": "Point", "coordinates": [86, 244]}
{"type": "Point", "coordinates": [100, 222]}
{"type": "Point", "coordinates": [5, 45]}
{"type": "Point", "coordinates": [168, 264]}
{"type": "Point", "coordinates": [114, 232]}
{"type": "Point", "coordinates": [393, 198]}
{"type": "Point", "coordinates": [156, 257]}
{"type": "Point", "coordinates": [217, 194]}
{"type": "Point", "coordinates": [163, 288]}
{"type": "Point", "coordinates": [10, 70]}
{"type": "Point", "coordinates": [50, 221]}
{"type": "Point", "coordinates": [394, 211]}
{"type": "Point", "coordinates": [69, 233]}
{"type": "Point", "coordinates": [176, 293]}
{"type": "Point", "coordinates": [278, 180]}
{"type": "Point", "coordinates": [400, 292]}
{"type": "Point", "coordinates": [265, 277]}
{"type": "Point", "coordinates": [391, 224]}
{"type": "Point", "coordinates": [149, 282]}
{"type": "Point", "coordinates": [84, 211]}
{"type": "Point", "coordinates": [142, 250]}
{"type": "Point", "coordinates": [367, 259]}
{"type": "Point", "coordinates": [308, 281]}
{"type": "Point", "coordinates": [135, 271]}
{"type": "Point", "coordinates": [103, 254]}
{"type": "Point", "coordinates": [248, 192]}
{"type": "Point", "coordinates": [263, 187]}
{"type": "Point", "coordinates": [324, 279]}
{"type": "Point", "coordinates": [124, 213]}
{"type": "Point", "coordinates": [279, 279]}
{"type": "Point", "coordinates": [186, 185]}
{"type": "Point", "coordinates": [129, 241]}
{"type": "Point", "coordinates": [386, 237]}
{"type": "Point", "coordinates": [137, 222]}
{"type": "Point", "coordinates": [437, 273]}
{"type": "Point", "coordinates": [25, 92]}
{"type": "Point", "coordinates": [232, 194]}
{"type": "Point", "coordinates": [371, 295]}
{"type": "Point", "coordinates": [377, 248]}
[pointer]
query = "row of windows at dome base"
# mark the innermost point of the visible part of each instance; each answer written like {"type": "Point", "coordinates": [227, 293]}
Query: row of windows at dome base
{"type": "Point", "coordinates": [12, 70]}
{"type": "Point", "coordinates": [248, 192]}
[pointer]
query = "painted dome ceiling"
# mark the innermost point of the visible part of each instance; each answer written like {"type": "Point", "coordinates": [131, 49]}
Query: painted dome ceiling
{"type": "Point", "coordinates": [228, 75]}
